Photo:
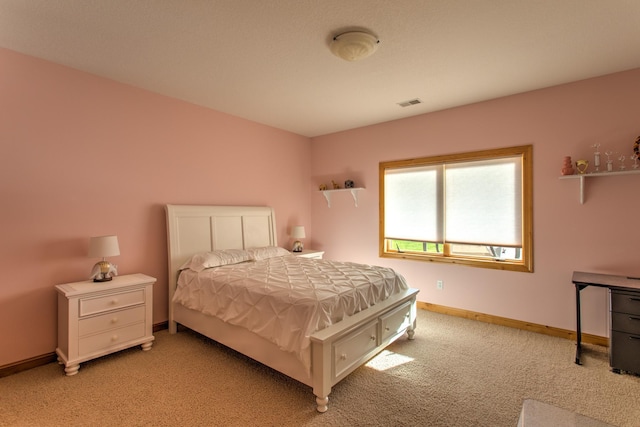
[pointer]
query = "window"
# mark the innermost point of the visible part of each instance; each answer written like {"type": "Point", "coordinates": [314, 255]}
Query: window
{"type": "Point", "coordinates": [471, 208]}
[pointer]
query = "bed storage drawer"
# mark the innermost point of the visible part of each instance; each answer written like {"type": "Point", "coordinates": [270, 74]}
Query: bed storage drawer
{"type": "Point", "coordinates": [395, 322]}
{"type": "Point", "coordinates": [350, 350]}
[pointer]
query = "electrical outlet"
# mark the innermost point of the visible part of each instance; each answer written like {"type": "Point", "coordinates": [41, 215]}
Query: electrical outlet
{"type": "Point", "coordinates": [440, 284]}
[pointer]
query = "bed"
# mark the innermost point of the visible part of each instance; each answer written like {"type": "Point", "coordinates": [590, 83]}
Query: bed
{"type": "Point", "coordinates": [332, 352]}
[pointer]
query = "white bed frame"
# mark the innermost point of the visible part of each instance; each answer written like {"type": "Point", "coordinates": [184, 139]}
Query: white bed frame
{"type": "Point", "coordinates": [335, 351]}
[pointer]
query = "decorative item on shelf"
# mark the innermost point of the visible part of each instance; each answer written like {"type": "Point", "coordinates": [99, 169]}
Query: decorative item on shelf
{"type": "Point", "coordinates": [297, 232]}
{"type": "Point", "coordinates": [609, 161]}
{"type": "Point", "coordinates": [336, 186]}
{"type": "Point", "coordinates": [348, 184]}
{"type": "Point", "coordinates": [596, 157]}
{"type": "Point", "coordinates": [636, 148]}
{"type": "Point", "coordinates": [635, 158]}
{"type": "Point", "coordinates": [582, 166]}
{"type": "Point", "coordinates": [622, 159]}
{"type": "Point", "coordinates": [323, 187]}
{"type": "Point", "coordinates": [567, 168]}
{"type": "Point", "coordinates": [102, 247]}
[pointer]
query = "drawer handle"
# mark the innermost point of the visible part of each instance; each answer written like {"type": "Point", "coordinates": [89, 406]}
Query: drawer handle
{"type": "Point", "coordinates": [114, 320]}
{"type": "Point", "coordinates": [631, 337]}
{"type": "Point", "coordinates": [114, 338]}
{"type": "Point", "coordinates": [114, 301]}
{"type": "Point", "coordinates": [634, 299]}
{"type": "Point", "coordinates": [634, 318]}
{"type": "Point", "coordinates": [387, 329]}
{"type": "Point", "coordinates": [373, 337]}
{"type": "Point", "coordinates": [343, 356]}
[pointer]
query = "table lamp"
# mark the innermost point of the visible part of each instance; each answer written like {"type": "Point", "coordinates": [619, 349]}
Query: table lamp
{"type": "Point", "coordinates": [297, 232]}
{"type": "Point", "coordinates": [102, 247]}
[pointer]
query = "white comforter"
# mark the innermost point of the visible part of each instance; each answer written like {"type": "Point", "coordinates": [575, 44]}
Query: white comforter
{"type": "Point", "coordinates": [285, 299]}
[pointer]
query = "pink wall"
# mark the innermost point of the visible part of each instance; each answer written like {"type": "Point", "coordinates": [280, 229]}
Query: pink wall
{"type": "Point", "coordinates": [66, 135]}
{"type": "Point", "coordinates": [600, 236]}
{"type": "Point", "coordinates": [84, 156]}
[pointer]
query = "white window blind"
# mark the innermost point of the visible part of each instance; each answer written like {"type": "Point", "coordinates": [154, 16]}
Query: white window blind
{"type": "Point", "coordinates": [484, 202]}
{"type": "Point", "coordinates": [473, 202]}
{"type": "Point", "coordinates": [413, 203]}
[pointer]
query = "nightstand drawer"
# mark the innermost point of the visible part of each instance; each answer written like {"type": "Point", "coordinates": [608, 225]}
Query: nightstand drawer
{"type": "Point", "coordinates": [94, 343]}
{"type": "Point", "coordinates": [111, 320]}
{"type": "Point", "coordinates": [623, 302]}
{"type": "Point", "coordinates": [111, 302]}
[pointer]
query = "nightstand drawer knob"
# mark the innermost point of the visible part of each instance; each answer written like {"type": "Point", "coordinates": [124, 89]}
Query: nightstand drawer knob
{"type": "Point", "coordinates": [114, 338]}
{"type": "Point", "coordinates": [114, 301]}
{"type": "Point", "coordinates": [114, 320]}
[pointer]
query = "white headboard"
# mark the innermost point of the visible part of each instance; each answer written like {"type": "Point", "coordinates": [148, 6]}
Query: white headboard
{"type": "Point", "coordinates": [192, 229]}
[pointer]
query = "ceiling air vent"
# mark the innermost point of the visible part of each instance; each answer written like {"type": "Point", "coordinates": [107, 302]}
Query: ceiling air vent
{"type": "Point", "coordinates": [410, 102]}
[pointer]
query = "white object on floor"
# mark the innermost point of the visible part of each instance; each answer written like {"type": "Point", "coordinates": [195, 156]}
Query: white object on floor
{"type": "Point", "coordinates": [539, 414]}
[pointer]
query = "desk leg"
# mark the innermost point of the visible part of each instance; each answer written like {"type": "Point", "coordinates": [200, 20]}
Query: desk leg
{"type": "Point", "coordinates": [578, 325]}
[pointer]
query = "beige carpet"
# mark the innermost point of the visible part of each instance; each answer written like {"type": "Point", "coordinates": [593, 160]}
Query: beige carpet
{"type": "Point", "coordinates": [456, 372]}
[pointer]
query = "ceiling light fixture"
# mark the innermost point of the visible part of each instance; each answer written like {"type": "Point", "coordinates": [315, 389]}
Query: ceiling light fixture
{"type": "Point", "coordinates": [354, 45]}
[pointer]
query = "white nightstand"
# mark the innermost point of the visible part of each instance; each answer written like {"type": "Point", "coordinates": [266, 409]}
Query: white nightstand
{"type": "Point", "coordinates": [310, 253]}
{"type": "Point", "coordinates": [95, 319]}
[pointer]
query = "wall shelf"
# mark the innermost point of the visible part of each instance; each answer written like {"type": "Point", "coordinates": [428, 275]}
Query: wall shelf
{"type": "Point", "coordinates": [354, 192]}
{"type": "Point", "coordinates": [584, 176]}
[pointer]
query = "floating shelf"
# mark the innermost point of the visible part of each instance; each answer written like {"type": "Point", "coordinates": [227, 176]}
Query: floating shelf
{"type": "Point", "coordinates": [354, 193]}
{"type": "Point", "coordinates": [584, 176]}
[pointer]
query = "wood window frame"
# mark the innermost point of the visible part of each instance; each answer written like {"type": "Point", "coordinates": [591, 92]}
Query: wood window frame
{"type": "Point", "coordinates": [446, 256]}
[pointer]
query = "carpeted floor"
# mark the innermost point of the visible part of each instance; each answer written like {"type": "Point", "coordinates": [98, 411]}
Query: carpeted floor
{"type": "Point", "coordinates": [456, 372]}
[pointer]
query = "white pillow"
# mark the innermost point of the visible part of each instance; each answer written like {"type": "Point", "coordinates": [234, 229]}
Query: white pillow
{"type": "Point", "coordinates": [203, 260]}
{"type": "Point", "coordinates": [265, 252]}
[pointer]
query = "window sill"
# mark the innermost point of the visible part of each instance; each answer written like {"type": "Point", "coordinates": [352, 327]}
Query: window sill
{"type": "Point", "coordinates": [481, 263]}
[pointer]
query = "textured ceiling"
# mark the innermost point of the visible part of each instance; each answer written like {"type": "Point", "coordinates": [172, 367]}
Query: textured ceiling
{"type": "Point", "coordinates": [269, 61]}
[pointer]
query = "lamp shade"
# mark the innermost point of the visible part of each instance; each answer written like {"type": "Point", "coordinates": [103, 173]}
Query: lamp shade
{"type": "Point", "coordinates": [103, 246]}
{"type": "Point", "coordinates": [297, 232]}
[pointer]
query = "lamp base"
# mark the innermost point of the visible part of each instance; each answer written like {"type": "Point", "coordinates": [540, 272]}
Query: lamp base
{"type": "Point", "coordinates": [297, 246]}
{"type": "Point", "coordinates": [103, 271]}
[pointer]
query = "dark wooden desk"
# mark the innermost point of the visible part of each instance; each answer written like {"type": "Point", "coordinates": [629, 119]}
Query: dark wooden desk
{"type": "Point", "coordinates": [581, 280]}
